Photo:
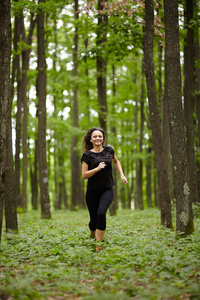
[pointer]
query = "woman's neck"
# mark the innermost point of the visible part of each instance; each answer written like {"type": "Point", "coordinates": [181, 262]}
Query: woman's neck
{"type": "Point", "coordinates": [97, 149]}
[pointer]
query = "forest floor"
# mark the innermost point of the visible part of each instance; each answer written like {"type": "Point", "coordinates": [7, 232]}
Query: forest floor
{"type": "Point", "coordinates": [55, 259]}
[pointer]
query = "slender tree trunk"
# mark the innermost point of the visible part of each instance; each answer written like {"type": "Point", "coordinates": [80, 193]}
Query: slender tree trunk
{"type": "Point", "coordinates": [16, 74]}
{"type": "Point", "coordinates": [156, 188]}
{"type": "Point", "coordinates": [148, 176]}
{"type": "Point", "coordinates": [166, 143]}
{"type": "Point", "coordinates": [101, 66]}
{"type": "Point", "coordinates": [75, 165]}
{"type": "Point", "coordinates": [87, 115]}
{"type": "Point", "coordinates": [197, 93]}
{"type": "Point", "coordinates": [114, 205]}
{"type": "Point", "coordinates": [136, 201]}
{"type": "Point", "coordinates": [65, 197]}
{"type": "Point", "coordinates": [165, 205]}
{"type": "Point", "coordinates": [6, 166]}
{"type": "Point", "coordinates": [10, 191]}
{"type": "Point", "coordinates": [189, 99]}
{"type": "Point", "coordinates": [34, 178]}
{"type": "Point", "coordinates": [25, 60]}
{"type": "Point", "coordinates": [139, 193]}
{"type": "Point", "coordinates": [139, 165]}
{"type": "Point", "coordinates": [164, 117]}
{"type": "Point", "coordinates": [184, 216]}
{"type": "Point", "coordinates": [56, 165]}
{"type": "Point", "coordinates": [25, 67]}
{"type": "Point", "coordinates": [41, 85]}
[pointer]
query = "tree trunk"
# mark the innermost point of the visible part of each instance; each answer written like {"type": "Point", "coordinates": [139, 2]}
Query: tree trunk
{"type": "Point", "coordinates": [7, 178]}
{"type": "Point", "coordinates": [25, 129]}
{"type": "Point", "coordinates": [189, 100]}
{"type": "Point", "coordinates": [16, 69]}
{"type": "Point", "coordinates": [148, 176]}
{"type": "Point", "coordinates": [139, 194]}
{"type": "Point", "coordinates": [197, 93]}
{"type": "Point", "coordinates": [114, 205]}
{"type": "Point", "coordinates": [139, 164]}
{"type": "Point", "coordinates": [41, 89]}
{"type": "Point", "coordinates": [165, 205]}
{"type": "Point", "coordinates": [24, 91]}
{"type": "Point", "coordinates": [101, 66]}
{"type": "Point", "coordinates": [56, 151]}
{"type": "Point", "coordinates": [136, 200]}
{"type": "Point", "coordinates": [165, 122]}
{"type": "Point", "coordinates": [184, 216]}
{"type": "Point", "coordinates": [156, 189]}
{"type": "Point", "coordinates": [34, 178]}
{"type": "Point", "coordinates": [75, 161]}
{"type": "Point", "coordinates": [65, 197]}
{"type": "Point", "coordinates": [87, 114]}
{"type": "Point", "coordinates": [166, 142]}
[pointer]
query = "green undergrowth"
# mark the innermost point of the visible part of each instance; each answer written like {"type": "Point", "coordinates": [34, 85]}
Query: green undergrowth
{"type": "Point", "coordinates": [55, 259]}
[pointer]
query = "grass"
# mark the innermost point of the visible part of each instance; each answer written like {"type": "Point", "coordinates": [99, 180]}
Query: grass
{"type": "Point", "coordinates": [55, 259]}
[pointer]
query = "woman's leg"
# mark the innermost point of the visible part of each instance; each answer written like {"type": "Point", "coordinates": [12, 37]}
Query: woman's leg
{"type": "Point", "coordinates": [92, 204]}
{"type": "Point", "coordinates": [93, 233]}
{"type": "Point", "coordinates": [100, 235]}
{"type": "Point", "coordinates": [104, 203]}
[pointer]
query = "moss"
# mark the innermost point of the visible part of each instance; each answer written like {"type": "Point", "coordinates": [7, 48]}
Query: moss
{"type": "Point", "coordinates": [186, 189]}
{"type": "Point", "coordinates": [184, 218]}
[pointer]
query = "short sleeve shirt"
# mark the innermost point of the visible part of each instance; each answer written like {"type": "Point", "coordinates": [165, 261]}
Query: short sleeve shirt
{"type": "Point", "coordinates": [103, 178]}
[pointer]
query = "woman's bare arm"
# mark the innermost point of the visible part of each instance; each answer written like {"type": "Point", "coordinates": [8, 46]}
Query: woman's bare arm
{"type": "Point", "coordinates": [119, 169]}
{"type": "Point", "coordinates": [89, 173]}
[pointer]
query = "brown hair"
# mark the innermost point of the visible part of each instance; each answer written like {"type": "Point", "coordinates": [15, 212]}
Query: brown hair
{"type": "Point", "coordinates": [87, 144]}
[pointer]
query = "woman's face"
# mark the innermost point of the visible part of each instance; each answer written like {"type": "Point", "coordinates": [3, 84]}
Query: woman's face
{"type": "Point", "coordinates": [97, 138]}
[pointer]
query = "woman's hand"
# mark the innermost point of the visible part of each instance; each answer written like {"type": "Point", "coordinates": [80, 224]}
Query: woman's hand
{"type": "Point", "coordinates": [124, 179]}
{"type": "Point", "coordinates": [102, 165]}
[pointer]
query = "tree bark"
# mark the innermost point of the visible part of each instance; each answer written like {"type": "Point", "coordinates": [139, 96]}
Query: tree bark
{"type": "Point", "coordinates": [101, 66]}
{"type": "Point", "coordinates": [25, 67]}
{"type": "Point", "coordinates": [165, 205]}
{"type": "Point", "coordinates": [41, 89]}
{"type": "Point", "coordinates": [148, 176]}
{"type": "Point", "coordinates": [6, 166]}
{"type": "Point", "coordinates": [137, 198]}
{"type": "Point", "coordinates": [139, 164]}
{"type": "Point", "coordinates": [184, 216]}
{"type": "Point", "coordinates": [10, 190]}
{"type": "Point", "coordinates": [197, 94]}
{"type": "Point", "coordinates": [16, 72]}
{"type": "Point", "coordinates": [114, 205]}
{"type": "Point", "coordinates": [34, 178]}
{"type": "Point", "coordinates": [166, 142]}
{"type": "Point", "coordinates": [75, 164]}
{"type": "Point", "coordinates": [189, 99]}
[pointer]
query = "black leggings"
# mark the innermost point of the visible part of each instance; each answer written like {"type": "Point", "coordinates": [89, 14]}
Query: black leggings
{"type": "Point", "coordinates": [98, 202]}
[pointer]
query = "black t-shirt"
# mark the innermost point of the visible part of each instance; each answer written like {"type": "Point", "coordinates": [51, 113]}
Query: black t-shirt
{"type": "Point", "coordinates": [103, 178]}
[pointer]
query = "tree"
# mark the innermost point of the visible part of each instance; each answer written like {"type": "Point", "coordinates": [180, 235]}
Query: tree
{"type": "Point", "coordinates": [164, 198]}
{"type": "Point", "coordinates": [197, 89]}
{"type": "Point", "coordinates": [139, 163]}
{"type": "Point", "coordinates": [41, 90]}
{"type": "Point", "coordinates": [6, 166]}
{"type": "Point", "coordinates": [189, 101]}
{"type": "Point", "coordinates": [101, 65]}
{"type": "Point", "coordinates": [75, 163]}
{"type": "Point", "coordinates": [16, 73]}
{"type": "Point", "coordinates": [184, 216]}
{"type": "Point", "coordinates": [25, 66]}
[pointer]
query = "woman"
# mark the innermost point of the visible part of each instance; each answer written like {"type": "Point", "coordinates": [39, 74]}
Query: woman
{"type": "Point", "coordinates": [97, 168]}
